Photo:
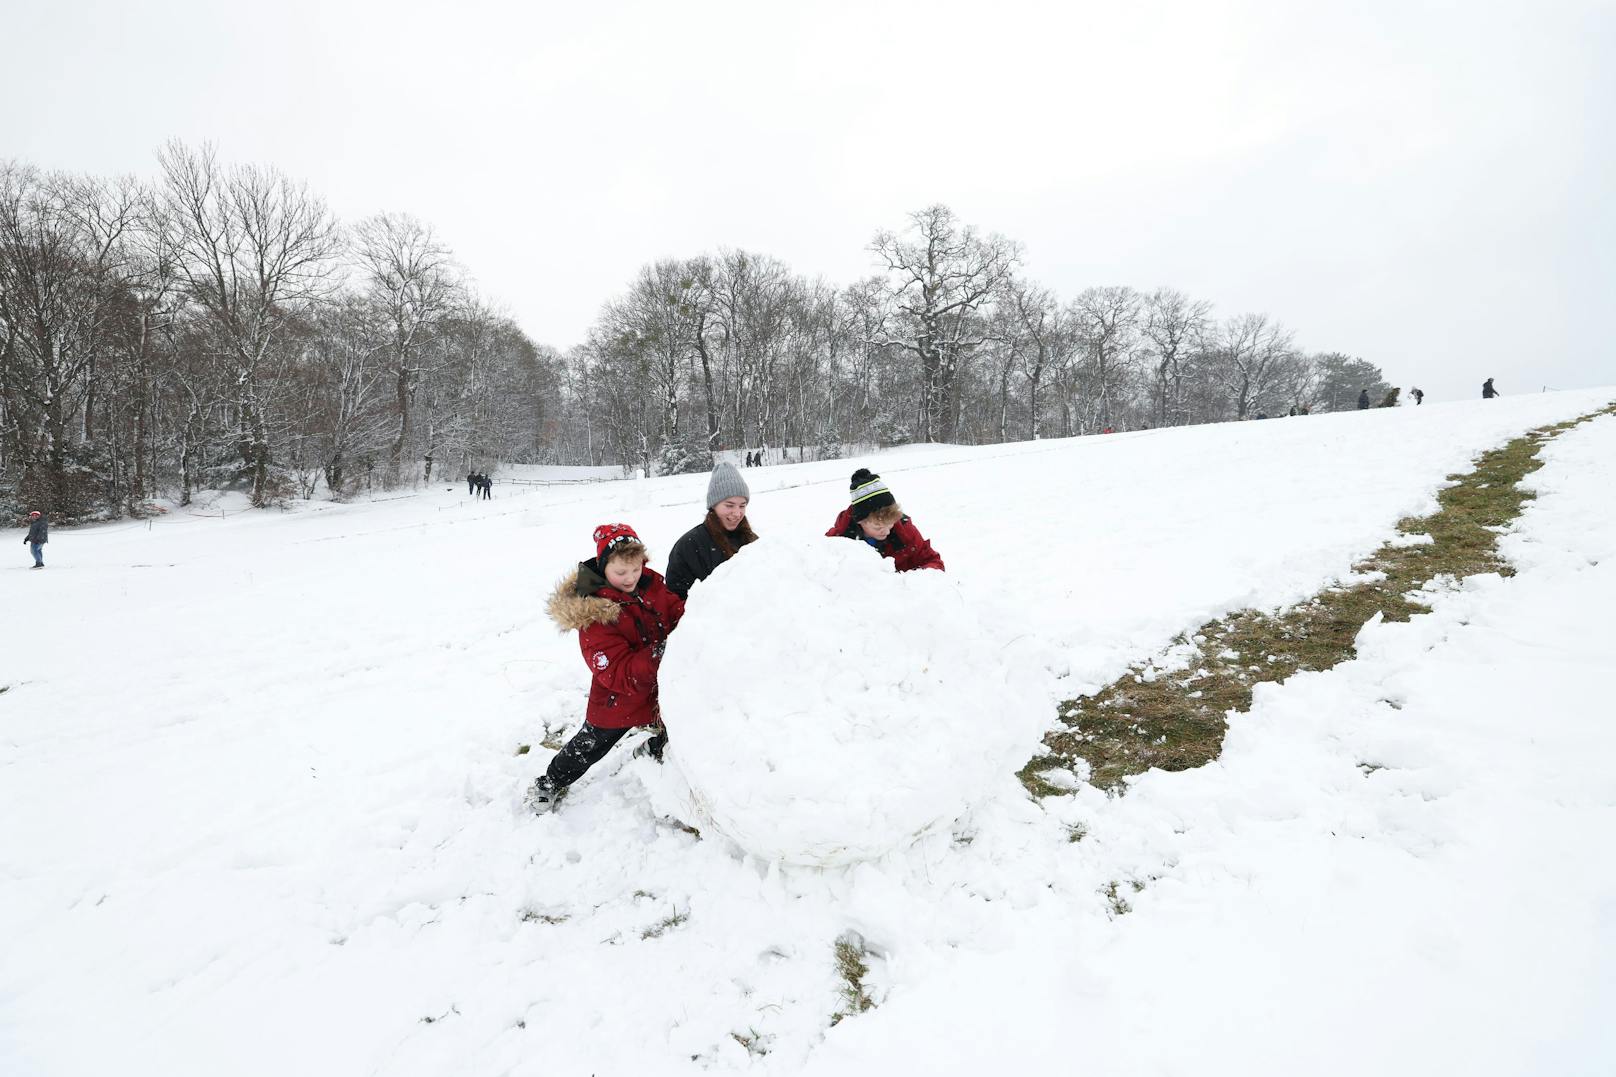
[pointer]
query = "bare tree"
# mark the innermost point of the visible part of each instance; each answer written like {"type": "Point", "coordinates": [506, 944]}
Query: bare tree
{"type": "Point", "coordinates": [253, 247]}
{"type": "Point", "coordinates": [705, 329]}
{"type": "Point", "coordinates": [413, 281]}
{"type": "Point", "coordinates": [1047, 341]}
{"type": "Point", "coordinates": [753, 302]}
{"type": "Point", "coordinates": [1107, 323]}
{"type": "Point", "coordinates": [63, 243]}
{"type": "Point", "coordinates": [152, 303]}
{"type": "Point", "coordinates": [351, 352]}
{"type": "Point", "coordinates": [1175, 328]}
{"type": "Point", "coordinates": [941, 277]}
{"type": "Point", "coordinates": [866, 310]}
{"type": "Point", "coordinates": [1250, 354]}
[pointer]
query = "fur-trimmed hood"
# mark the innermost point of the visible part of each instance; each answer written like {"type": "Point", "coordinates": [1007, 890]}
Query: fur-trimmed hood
{"type": "Point", "coordinates": [575, 604]}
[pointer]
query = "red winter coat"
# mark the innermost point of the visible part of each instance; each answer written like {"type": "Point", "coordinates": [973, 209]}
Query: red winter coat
{"type": "Point", "coordinates": [905, 544]}
{"type": "Point", "coordinates": [620, 636]}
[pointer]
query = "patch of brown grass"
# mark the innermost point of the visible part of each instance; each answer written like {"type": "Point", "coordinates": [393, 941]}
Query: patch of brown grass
{"type": "Point", "coordinates": [1176, 721]}
{"type": "Point", "coordinates": [851, 967]}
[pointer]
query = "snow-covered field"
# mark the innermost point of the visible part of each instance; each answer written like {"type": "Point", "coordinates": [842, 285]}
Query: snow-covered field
{"type": "Point", "coordinates": [259, 790]}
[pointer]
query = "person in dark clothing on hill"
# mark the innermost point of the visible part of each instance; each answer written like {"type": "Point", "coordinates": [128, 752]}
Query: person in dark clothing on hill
{"type": "Point", "coordinates": [38, 535]}
{"type": "Point", "coordinates": [488, 488]}
{"type": "Point", "coordinates": [1487, 390]}
{"type": "Point", "coordinates": [875, 517]}
{"type": "Point", "coordinates": [471, 482]}
{"type": "Point", "coordinates": [1418, 394]}
{"type": "Point", "coordinates": [718, 537]}
{"type": "Point", "coordinates": [1363, 399]}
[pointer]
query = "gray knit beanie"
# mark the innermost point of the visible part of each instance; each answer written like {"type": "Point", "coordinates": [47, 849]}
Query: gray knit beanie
{"type": "Point", "coordinates": [726, 482]}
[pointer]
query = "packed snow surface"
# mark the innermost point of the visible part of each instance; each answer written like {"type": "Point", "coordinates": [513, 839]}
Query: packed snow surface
{"type": "Point", "coordinates": [847, 713]}
{"type": "Point", "coordinates": [261, 776]}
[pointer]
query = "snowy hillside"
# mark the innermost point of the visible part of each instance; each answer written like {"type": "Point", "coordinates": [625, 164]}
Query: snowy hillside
{"type": "Point", "coordinates": [260, 789]}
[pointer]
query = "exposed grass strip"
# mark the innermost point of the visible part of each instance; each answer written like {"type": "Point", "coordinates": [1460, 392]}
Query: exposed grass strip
{"type": "Point", "coordinates": [1175, 720]}
{"type": "Point", "coordinates": [664, 925]}
{"type": "Point", "coordinates": [851, 966]}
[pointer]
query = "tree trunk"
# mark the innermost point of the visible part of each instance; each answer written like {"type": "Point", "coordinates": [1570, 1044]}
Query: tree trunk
{"type": "Point", "coordinates": [707, 386]}
{"type": "Point", "coordinates": [396, 457]}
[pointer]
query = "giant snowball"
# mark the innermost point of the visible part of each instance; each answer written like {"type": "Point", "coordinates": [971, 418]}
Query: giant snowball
{"type": "Point", "coordinates": [824, 709]}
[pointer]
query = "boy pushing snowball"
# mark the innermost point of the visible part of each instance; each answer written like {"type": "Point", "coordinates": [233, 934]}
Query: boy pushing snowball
{"type": "Point", "coordinates": [623, 613]}
{"type": "Point", "coordinates": [875, 517]}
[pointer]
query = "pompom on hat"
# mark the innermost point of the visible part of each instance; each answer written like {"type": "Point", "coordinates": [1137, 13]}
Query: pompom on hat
{"type": "Point", "coordinates": [869, 494]}
{"type": "Point", "coordinates": [610, 538]}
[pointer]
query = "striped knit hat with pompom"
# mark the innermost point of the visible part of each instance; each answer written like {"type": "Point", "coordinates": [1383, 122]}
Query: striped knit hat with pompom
{"type": "Point", "coordinates": [869, 493]}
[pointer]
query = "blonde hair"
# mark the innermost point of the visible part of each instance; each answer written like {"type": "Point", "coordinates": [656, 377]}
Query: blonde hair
{"type": "Point", "coordinates": [625, 550]}
{"type": "Point", "coordinates": [886, 514]}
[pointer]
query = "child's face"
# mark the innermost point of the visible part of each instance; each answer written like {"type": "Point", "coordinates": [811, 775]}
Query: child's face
{"type": "Point", "coordinates": [730, 512]}
{"type": "Point", "coordinates": [877, 531]}
{"type": "Point", "coordinates": [623, 573]}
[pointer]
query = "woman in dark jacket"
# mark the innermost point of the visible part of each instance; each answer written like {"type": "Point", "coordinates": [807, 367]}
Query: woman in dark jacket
{"type": "Point", "coordinates": [713, 541]}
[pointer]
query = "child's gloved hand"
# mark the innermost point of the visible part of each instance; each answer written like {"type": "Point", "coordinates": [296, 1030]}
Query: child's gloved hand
{"type": "Point", "coordinates": [657, 648]}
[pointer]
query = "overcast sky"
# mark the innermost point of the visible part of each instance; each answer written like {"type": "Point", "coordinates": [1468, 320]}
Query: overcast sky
{"type": "Point", "coordinates": [1431, 186]}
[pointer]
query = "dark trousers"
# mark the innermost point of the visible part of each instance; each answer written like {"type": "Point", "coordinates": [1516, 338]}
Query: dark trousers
{"type": "Point", "coordinates": [589, 746]}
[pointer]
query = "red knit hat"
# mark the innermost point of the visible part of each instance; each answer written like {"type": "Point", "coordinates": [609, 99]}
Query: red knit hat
{"type": "Point", "coordinates": [33, 514]}
{"type": "Point", "coordinates": [610, 537]}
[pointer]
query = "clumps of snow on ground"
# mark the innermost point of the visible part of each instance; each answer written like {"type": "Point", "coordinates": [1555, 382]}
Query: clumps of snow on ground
{"type": "Point", "coordinates": [307, 817]}
{"type": "Point", "coordinates": [824, 709]}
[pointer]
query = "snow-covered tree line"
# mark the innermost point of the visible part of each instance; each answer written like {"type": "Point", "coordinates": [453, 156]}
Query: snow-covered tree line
{"type": "Point", "coordinates": [949, 341]}
{"type": "Point", "coordinates": [219, 327]}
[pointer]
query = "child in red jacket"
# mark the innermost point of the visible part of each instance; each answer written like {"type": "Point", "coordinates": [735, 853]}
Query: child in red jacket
{"type": "Point", "coordinates": [876, 517]}
{"type": "Point", "coordinates": [623, 614]}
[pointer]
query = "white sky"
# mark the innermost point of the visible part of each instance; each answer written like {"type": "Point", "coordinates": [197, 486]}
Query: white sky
{"type": "Point", "coordinates": [1426, 185]}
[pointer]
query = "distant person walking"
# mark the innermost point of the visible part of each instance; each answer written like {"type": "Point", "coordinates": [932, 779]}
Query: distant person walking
{"type": "Point", "coordinates": [38, 535]}
{"type": "Point", "coordinates": [1363, 399]}
{"type": "Point", "coordinates": [1487, 390]}
{"type": "Point", "coordinates": [488, 488]}
{"type": "Point", "coordinates": [1418, 395]}
{"type": "Point", "coordinates": [471, 482]}
{"type": "Point", "coordinates": [717, 538]}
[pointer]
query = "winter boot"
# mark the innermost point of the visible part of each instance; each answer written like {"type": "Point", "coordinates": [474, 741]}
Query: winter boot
{"type": "Point", "coordinates": [544, 795]}
{"type": "Point", "coordinates": [653, 745]}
